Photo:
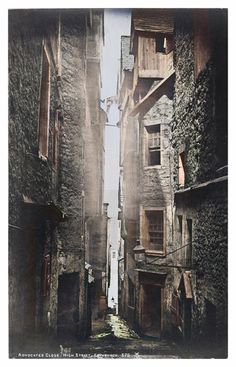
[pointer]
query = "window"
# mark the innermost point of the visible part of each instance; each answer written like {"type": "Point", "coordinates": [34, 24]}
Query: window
{"type": "Point", "coordinates": [189, 242]}
{"type": "Point", "coordinates": [44, 106]}
{"type": "Point", "coordinates": [164, 43]}
{"type": "Point", "coordinates": [155, 223]}
{"type": "Point", "coordinates": [181, 175]}
{"type": "Point", "coordinates": [161, 43]}
{"type": "Point", "coordinates": [153, 145]}
{"type": "Point", "coordinates": [202, 46]}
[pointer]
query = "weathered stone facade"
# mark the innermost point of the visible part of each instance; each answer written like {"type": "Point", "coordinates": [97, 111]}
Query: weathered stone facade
{"type": "Point", "coordinates": [189, 183]}
{"type": "Point", "coordinates": [146, 187]}
{"type": "Point", "coordinates": [30, 228]}
{"type": "Point", "coordinates": [155, 191]}
{"type": "Point", "coordinates": [96, 218]}
{"type": "Point", "coordinates": [47, 196]}
{"type": "Point", "coordinates": [196, 130]}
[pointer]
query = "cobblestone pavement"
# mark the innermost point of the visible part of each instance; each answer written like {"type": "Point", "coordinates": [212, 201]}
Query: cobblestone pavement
{"type": "Point", "coordinates": [111, 338]}
{"type": "Point", "coordinates": [114, 339]}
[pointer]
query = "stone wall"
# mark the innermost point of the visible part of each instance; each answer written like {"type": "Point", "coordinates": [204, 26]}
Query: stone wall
{"type": "Point", "coordinates": [28, 174]}
{"type": "Point", "coordinates": [73, 82]}
{"type": "Point", "coordinates": [195, 129]}
{"type": "Point", "coordinates": [156, 182]}
{"type": "Point", "coordinates": [97, 238]}
{"type": "Point", "coordinates": [34, 177]}
{"type": "Point", "coordinates": [195, 124]}
{"type": "Point", "coordinates": [210, 256]}
{"type": "Point", "coordinates": [157, 177]}
{"type": "Point", "coordinates": [94, 153]}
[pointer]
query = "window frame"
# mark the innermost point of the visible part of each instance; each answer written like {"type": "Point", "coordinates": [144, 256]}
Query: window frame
{"type": "Point", "coordinates": [168, 43]}
{"type": "Point", "coordinates": [184, 255]}
{"type": "Point", "coordinates": [148, 150]}
{"type": "Point", "coordinates": [144, 227]}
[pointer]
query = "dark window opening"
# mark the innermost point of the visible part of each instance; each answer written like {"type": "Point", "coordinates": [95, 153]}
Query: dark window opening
{"type": "Point", "coordinates": [161, 43]}
{"type": "Point", "coordinates": [155, 220]}
{"type": "Point", "coordinates": [154, 157]}
{"type": "Point", "coordinates": [44, 106]}
{"type": "Point", "coordinates": [164, 43]}
{"type": "Point", "coordinates": [154, 145]}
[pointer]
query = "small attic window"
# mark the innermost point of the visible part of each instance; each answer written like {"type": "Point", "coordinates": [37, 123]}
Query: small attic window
{"type": "Point", "coordinates": [164, 43]}
{"type": "Point", "coordinates": [161, 43]}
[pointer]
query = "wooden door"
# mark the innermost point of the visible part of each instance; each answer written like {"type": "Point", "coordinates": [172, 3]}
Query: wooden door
{"type": "Point", "coordinates": [151, 310]}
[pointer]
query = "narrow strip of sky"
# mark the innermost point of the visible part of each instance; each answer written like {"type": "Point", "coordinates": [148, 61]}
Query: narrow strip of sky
{"type": "Point", "coordinates": [116, 24]}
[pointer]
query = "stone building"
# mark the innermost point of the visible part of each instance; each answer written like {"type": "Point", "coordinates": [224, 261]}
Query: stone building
{"type": "Point", "coordinates": [96, 217]}
{"type": "Point", "coordinates": [54, 119]}
{"type": "Point", "coordinates": [173, 176]}
{"type": "Point", "coordinates": [146, 167]}
{"type": "Point", "coordinates": [199, 140]}
{"type": "Point", "coordinates": [127, 202]}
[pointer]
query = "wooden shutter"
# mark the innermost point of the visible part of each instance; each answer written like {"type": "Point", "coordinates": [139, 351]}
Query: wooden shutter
{"type": "Point", "coordinates": [44, 106]}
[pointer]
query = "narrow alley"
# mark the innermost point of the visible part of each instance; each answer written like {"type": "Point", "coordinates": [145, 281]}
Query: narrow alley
{"type": "Point", "coordinates": [111, 338]}
{"type": "Point", "coordinates": [118, 183]}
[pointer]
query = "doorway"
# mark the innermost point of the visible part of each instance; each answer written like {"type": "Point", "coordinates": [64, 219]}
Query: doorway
{"type": "Point", "coordinates": [187, 318]}
{"type": "Point", "coordinates": [68, 304]}
{"type": "Point", "coordinates": [151, 312]}
{"type": "Point", "coordinates": [210, 321]}
{"type": "Point", "coordinates": [29, 289]}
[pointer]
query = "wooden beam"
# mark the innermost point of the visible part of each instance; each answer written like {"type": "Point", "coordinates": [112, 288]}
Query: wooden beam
{"type": "Point", "coordinates": [150, 74]}
{"type": "Point", "coordinates": [154, 94]}
{"type": "Point", "coordinates": [202, 185]}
